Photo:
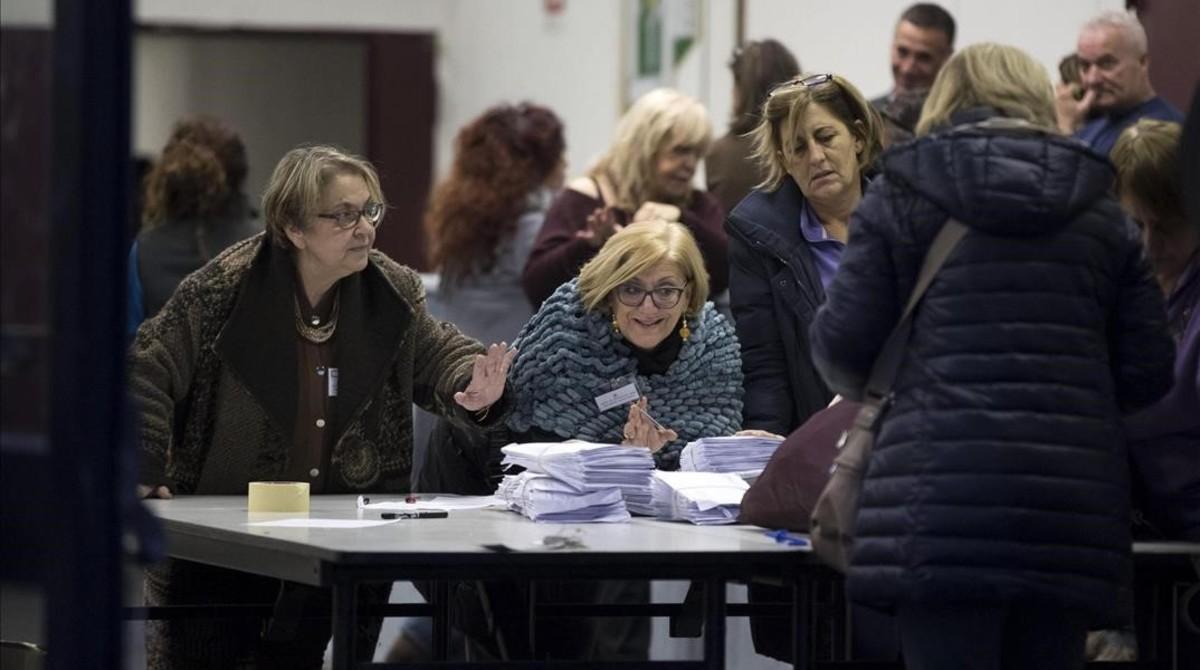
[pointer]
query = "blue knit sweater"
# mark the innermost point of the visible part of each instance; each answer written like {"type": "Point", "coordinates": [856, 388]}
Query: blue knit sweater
{"type": "Point", "coordinates": [567, 356]}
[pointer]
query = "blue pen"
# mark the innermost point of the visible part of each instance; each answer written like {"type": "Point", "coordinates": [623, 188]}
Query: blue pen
{"type": "Point", "coordinates": [784, 537]}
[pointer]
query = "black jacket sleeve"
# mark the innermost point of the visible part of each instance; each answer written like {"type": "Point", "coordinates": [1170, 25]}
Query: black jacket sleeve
{"type": "Point", "coordinates": [768, 401]}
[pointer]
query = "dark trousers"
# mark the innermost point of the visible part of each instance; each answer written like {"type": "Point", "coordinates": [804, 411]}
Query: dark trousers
{"type": "Point", "coordinates": [294, 637]}
{"type": "Point", "coordinates": [991, 637]}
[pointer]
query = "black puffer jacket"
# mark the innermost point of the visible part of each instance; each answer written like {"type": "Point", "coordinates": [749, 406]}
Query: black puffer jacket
{"type": "Point", "coordinates": [1000, 472]}
{"type": "Point", "coordinates": [774, 291]}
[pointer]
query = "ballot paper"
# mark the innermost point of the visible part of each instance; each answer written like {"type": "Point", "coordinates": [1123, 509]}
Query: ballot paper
{"type": "Point", "coordinates": [423, 502]}
{"type": "Point", "coordinates": [588, 466]}
{"type": "Point", "coordinates": [542, 497]}
{"type": "Point", "coordinates": [744, 455]}
{"type": "Point", "coordinates": [703, 498]}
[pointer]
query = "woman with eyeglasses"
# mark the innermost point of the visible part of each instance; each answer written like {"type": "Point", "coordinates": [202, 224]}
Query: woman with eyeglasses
{"type": "Point", "coordinates": [294, 355]}
{"type": "Point", "coordinates": [637, 313]}
{"type": "Point", "coordinates": [815, 142]}
{"type": "Point", "coordinates": [646, 173]}
{"type": "Point", "coordinates": [636, 319]}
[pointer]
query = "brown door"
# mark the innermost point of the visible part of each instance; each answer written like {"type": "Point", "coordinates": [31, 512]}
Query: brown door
{"type": "Point", "coordinates": [401, 105]}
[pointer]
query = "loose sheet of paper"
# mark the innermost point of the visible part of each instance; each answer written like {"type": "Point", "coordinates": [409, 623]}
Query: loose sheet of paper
{"type": "Point", "coordinates": [320, 523]}
{"type": "Point", "coordinates": [441, 503]}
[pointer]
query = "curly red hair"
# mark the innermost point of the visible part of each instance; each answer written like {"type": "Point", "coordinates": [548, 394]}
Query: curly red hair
{"type": "Point", "coordinates": [499, 159]}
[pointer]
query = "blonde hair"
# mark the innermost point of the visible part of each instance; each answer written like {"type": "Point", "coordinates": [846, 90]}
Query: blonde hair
{"type": "Point", "coordinates": [1146, 156]}
{"type": "Point", "coordinates": [990, 75]}
{"type": "Point", "coordinates": [294, 192]}
{"type": "Point", "coordinates": [657, 118]}
{"type": "Point", "coordinates": [637, 248]}
{"type": "Point", "coordinates": [784, 109]}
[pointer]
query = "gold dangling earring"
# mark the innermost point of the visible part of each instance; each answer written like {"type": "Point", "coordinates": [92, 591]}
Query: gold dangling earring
{"type": "Point", "coordinates": [684, 331]}
{"type": "Point", "coordinates": [615, 327]}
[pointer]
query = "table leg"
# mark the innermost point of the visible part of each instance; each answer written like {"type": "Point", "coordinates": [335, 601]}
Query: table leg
{"type": "Point", "coordinates": [802, 627]}
{"type": "Point", "coordinates": [441, 620]}
{"type": "Point", "coordinates": [531, 618]}
{"type": "Point", "coordinates": [714, 624]}
{"type": "Point", "coordinates": [345, 622]}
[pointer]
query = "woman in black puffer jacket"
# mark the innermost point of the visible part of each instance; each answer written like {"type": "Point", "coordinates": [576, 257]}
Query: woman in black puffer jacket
{"type": "Point", "coordinates": [994, 516]}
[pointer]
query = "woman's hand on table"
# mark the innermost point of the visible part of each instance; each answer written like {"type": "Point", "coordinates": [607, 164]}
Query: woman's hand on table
{"type": "Point", "coordinates": [754, 432]}
{"type": "Point", "coordinates": [146, 491]}
{"type": "Point", "coordinates": [487, 378]}
{"type": "Point", "coordinates": [643, 431]}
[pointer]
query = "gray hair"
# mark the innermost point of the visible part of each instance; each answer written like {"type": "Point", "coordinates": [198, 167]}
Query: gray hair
{"type": "Point", "coordinates": [1125, 22]}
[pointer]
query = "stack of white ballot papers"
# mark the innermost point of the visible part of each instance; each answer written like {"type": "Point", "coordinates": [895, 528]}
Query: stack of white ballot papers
{"type": "Point", "coordinates": [704, 498]}
{"type": "Point", "coordinates": [543, 498]}
{"type": "Point", "coordinates": [588, 466]}
{"type": "Point", "coordinates": [745, 455]}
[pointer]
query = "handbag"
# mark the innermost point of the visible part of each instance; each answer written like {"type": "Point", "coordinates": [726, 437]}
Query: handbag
{"type": "Point", "coordinates": [836, 509]}
{"type": "Point", "coordinates": [786, 492]}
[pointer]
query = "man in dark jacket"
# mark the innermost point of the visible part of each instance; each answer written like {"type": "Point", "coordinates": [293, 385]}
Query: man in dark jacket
{"type": "Point", "coordinates": [995, 511]}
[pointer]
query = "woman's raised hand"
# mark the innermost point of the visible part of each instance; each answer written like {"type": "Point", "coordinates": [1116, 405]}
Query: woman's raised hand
{"type": "Point", "coordinates": [487, 378]}
{"type": "Point", "coordinates": [601, 225]}
{"type": "Point", "coordinates": [651, 210]}
{"type": "Point", "coordinates": [643, 431]}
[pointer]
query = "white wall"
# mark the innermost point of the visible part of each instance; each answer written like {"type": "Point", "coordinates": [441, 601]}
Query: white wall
{"type": "Point", "coordinates": [277, 92]}
{"type": "Point", "coordinates": [510, 51]}
{"type": "Point", "coordinates": [853, 38]}
{"type": "Point", "coordinates": [27, 13]}
{"type": "Point", "coordinates": [491, 51]}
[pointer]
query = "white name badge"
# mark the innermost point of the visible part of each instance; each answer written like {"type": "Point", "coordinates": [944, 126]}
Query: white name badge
{"type": "Point", "coordinates": [333, 379]}
{"type": "Point", "coordinates": [621, 396]}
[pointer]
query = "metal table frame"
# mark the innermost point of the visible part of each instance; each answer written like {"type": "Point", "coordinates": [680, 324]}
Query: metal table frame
{"type": "Point", "coordinates": [212, 530]}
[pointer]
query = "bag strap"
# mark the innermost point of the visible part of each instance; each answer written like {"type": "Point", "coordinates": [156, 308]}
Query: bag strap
{"type": "Point", "coordinates": [887, 364]}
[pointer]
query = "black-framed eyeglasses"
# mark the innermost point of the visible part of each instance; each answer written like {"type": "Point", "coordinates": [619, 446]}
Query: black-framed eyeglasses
{"type": "Point", "coordinates": [348, 218]}
{"type": "Point", "coordinates": [663, 297]}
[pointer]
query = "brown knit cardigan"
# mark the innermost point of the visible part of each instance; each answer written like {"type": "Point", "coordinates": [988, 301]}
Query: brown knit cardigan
{"type": "Point", "coordinates": [214, 375]}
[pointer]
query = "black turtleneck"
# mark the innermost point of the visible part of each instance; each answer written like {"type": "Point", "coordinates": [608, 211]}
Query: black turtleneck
{"type": "Point", "coordinates": [658, 360]}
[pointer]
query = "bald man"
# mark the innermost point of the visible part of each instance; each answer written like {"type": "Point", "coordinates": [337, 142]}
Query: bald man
{"type": "Point", "coordinates": [1114, 69]}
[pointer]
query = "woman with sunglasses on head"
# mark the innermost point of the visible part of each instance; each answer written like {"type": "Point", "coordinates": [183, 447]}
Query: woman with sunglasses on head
{"type": "Point", "coordinates": [294, 355]}
{"type": "Point", "coordinates": [646, 173]}
{"type": "Point", "coordinates": [815, 141]}
{"type": "Point", "coordinates": [637, 316]}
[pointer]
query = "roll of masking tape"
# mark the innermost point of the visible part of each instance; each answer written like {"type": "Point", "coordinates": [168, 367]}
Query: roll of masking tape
{"type": "Point", "coordinates": [278, 497]}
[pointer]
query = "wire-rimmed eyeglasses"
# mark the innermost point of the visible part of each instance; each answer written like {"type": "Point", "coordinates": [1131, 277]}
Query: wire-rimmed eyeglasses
{"type": "Point", "coordinates": [348, 218]}
{"type": "Point", "coordinates": [663, 297]}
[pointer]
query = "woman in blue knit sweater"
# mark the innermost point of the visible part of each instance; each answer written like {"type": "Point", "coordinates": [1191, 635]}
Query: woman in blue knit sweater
{"type": "Point", "coordinates": [635, 320]}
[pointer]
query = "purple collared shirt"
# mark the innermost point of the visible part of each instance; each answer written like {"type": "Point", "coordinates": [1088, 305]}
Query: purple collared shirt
{"type": "Point", "coordinates": [826, 250]}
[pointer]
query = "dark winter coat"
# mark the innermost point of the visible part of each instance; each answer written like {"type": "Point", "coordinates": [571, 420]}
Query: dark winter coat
{"type": "Point", "coordinates": [774, 291]}
{"type": "Point", "coordinates": [1000, 472]}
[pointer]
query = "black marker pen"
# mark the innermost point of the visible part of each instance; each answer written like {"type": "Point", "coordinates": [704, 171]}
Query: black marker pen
{"type": "Point", "coordinates": [416, 514]}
